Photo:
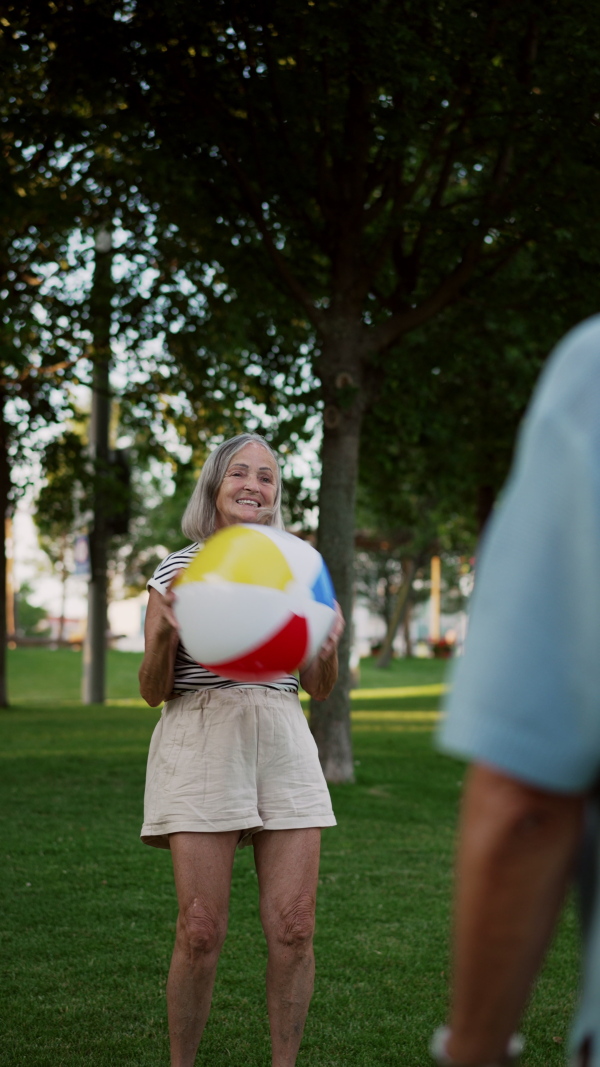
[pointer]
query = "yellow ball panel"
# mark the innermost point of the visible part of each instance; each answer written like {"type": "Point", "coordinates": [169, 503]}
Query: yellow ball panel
{"type": "Point", "coordinates": [239, 554]}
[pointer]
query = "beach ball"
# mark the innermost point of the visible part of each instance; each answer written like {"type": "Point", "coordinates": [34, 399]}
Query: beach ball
{"type": "Point", "coordinates": [254, 603]}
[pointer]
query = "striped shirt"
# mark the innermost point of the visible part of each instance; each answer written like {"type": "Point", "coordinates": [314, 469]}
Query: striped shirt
{"type": "Point", "coordinates": [190, 675]}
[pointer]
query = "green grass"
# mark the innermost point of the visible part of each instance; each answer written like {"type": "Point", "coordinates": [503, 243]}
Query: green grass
{"type": "Point", "coordinates": [402, 672]}
{"type": "Point", "coordinates": [88, 913]}
{"type": "Point", "coordinates": [43, 676]}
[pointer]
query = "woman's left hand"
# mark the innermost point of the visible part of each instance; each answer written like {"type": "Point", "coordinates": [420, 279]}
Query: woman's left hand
{"type": "Point", "coordinates": [318, 677]}
{"type": "Point", "coordinates": [337, 630]}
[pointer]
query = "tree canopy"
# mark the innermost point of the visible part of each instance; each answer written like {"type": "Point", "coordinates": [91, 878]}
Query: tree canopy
{"type": "Point", "coordinates": [346, 184]}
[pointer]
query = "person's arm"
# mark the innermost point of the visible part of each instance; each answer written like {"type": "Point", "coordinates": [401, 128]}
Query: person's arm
{"type": "Point", "coordinates": [161, 638]}
{"type": "Point", "coordinates": [320, 675]}
{"type": "Point", "coordinates": [515, 855]}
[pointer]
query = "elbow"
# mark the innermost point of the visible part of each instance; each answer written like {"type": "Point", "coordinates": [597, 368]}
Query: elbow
{"type": "Point", "coordinates": [314, 694]}
{"type": "Point", "coordinates": [319, 692]}
{"type": "Point", "coordinates": [151, 699]}
{"type": "Point", "coordinates": [152, 693]}
{"type": "Point", "coordinates": [319, 678]}
{"type": "Point", "coordinates": [150, 696]}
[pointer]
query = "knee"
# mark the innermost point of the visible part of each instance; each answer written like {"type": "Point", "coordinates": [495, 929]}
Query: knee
{"type": "Point", "coordinates": [294, 926]}
{"type": "Point", "coordinates": [202, 931]}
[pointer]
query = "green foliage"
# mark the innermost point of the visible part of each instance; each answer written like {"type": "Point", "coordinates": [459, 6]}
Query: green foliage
{"type": "Point", "coordinates": [357, 163]}
{"type": "Point", "coordinates": [66, 497]}
{"type": "Point", "coordinates": [384, 212]}
{"type": "Point", "coordinates": [28, 616]}
{"type": "Point", "coordinates": [65, 504]}
{"type": "Point", "coordinates": [37, 340]}
{"type": "Point", "coordinates": [335, 170]}
{"type": "Point", "coordinates": [156, 530]}
{"type": "Point", "coordinates": [441, 460]}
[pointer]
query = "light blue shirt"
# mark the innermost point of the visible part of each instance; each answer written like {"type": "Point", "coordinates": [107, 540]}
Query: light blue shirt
{"type": "Point", "coordinates": [526, 694]}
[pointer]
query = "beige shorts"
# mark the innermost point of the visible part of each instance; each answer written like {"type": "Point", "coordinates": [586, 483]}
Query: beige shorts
{"type": "Point", "coordinates": [233, 759]}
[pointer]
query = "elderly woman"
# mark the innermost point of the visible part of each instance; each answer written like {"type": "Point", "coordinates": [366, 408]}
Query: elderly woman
{"type": "Point", "coordinates": [232, 764]}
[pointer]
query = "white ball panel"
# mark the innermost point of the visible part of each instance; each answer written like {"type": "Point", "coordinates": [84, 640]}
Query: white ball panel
{"type": "Point", "coordinates": [222, 620]}
{"type": "Point", "coordinates": [304, 561]}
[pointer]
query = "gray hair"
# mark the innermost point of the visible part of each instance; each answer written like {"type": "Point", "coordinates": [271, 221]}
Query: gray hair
{"type": "Point", "coordinates": [200, 516]}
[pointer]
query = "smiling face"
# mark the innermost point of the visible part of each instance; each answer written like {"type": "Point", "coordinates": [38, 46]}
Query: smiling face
{"type": "Point", "coordinates": [250, 484]}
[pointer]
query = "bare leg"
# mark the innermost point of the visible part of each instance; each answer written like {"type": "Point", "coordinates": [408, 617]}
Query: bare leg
{"type": "Point", "coordinates": [287, 864]}
{"type": "Point", "coordinates": [202, 864]}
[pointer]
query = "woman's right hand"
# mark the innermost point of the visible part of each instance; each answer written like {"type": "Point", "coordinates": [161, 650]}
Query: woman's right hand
{"type": "Point", "coordinates": [168, 621]}
{"type": "Point", "coordinates": [161, 631]}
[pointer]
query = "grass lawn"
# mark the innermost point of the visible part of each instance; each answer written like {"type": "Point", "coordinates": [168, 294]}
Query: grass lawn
{"type": "Point", "coordinates": [88, 913]}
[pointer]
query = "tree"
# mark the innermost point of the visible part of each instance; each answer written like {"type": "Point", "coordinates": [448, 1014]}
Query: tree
{"type": "Point", "coordinates": [61, 504]}
{"type": "Point", "coordinates": [469, 374]}
{"type": "Point", "coordinates": [28, 617]}
{"type": "Point", "coordinates": [67, 174]}
{"type": "Point", "coordinates": [404, 522]}
{"type": "Point", "coordinates": [36, 343]}
{"type": "Point", "coordinates": [372, 163]}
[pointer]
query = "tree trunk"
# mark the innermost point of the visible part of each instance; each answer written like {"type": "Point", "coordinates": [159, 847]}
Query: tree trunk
{"type": "Point", "coordinates": [400, 607]}
{"type": "Point", "coordinates": [342, 419]}
{"type": "Point", "coordinates": [4, 505]}
{"type": "Point", "coordinates": [11, 597]}
{"type": "Point", "coordinates": [406, 624]}
{"type": "Point", "coordinates": [94, 658]}
{"type": "Point", "coordinates": [64, 577]}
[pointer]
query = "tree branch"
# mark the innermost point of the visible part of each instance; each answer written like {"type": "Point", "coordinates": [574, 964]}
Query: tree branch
{"type": "Point", "coordinates": [296, 288]}
{"type": "Point", "coordinates": [387, 332]}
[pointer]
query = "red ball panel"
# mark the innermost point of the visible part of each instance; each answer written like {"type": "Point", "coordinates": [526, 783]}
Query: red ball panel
{"type": "Point", "coordinates": [279, 655]}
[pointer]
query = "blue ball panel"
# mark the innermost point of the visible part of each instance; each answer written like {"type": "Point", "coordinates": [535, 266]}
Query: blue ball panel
{"type": "Point", "coordinates": [322, 589]}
